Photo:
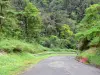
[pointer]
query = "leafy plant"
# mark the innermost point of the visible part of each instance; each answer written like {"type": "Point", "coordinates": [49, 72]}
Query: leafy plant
{"type": "Point", "coordinates": [90, 26]}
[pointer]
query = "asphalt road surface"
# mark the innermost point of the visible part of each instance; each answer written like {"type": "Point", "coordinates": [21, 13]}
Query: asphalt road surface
{"type": "Point", "coordinates": [62, 65]}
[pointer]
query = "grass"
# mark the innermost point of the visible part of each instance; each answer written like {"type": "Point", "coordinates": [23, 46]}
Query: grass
{"type": "Point", "coordinates": [92, 55]}
{"type": "Point", "coordinates": [10, 63]}
{"type": "Point", "coordinates": [9, 45]}
{"type": "Point", "coordinates": [13, 64]}
{"type": "Point", "coordinates": [62, 50]}
{"type": "Point", "coordinates": [95, 60]}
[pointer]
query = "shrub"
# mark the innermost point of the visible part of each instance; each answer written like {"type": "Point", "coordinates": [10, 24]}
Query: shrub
{"type": "Point", "coordinates": [92, 54]}
{"type": "Point", "coordinates": [11, 45]}
{"type": "Point", "coordinates": [89, 27]}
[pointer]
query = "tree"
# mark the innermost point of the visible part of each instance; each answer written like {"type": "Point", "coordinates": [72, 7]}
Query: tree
{"type": "Point", "coordinates": [19, 5]}
{"type": "Point", "coordinates": [3, 6]}
{"type": "Point", "coordinates": [89, 28]}
{"type": "Point", "coordinates": [65, 31]}
{"type": "Point", "coordinates": [8, 20]}
{"type": "Point", "coordinates": [32, 21]}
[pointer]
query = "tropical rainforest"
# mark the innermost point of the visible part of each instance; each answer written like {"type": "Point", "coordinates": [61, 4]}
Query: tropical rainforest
{"type": "Point", "coordinates": [35, 26]}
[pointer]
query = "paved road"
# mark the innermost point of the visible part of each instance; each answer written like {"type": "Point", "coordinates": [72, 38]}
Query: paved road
{"type": "Point", "coordinates": [62, 65]}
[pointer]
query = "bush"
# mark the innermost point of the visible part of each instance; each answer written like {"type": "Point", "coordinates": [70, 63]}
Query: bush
{"type": "Point", "coordinates": [93, 56]}
{"type": "Point", "coordinates": [55, 42]}
{"type": "Point", "coordinates": [95, 41]}
{"type": "Point", "coordinates": [89, 27]}
{"type": "Point", "coordinates": [11, 45]}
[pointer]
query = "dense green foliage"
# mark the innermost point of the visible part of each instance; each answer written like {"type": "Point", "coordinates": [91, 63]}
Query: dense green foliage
{"type": "Point", "coordinates": [89, 35]}
{"type": "Point", "coordinates": [51, 23]}
{"type": "Point", "coordinates": [33, 26]}
{"type": "Point", "coordinates": [11, 45]}
{"type": "Point", "coordinates": [90, 27]}
{"type": "Point", "coordinates": [93, 56]}
{"type": "Point", "coordinates": [8, 21]}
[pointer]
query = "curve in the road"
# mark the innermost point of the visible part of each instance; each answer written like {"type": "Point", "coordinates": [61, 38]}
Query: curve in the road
{"type": "Point", "coordinates": [62, 65]}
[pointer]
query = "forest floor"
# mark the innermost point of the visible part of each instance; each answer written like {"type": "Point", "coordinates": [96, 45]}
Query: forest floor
{"type": "Point", "coordinates": [61, 65]}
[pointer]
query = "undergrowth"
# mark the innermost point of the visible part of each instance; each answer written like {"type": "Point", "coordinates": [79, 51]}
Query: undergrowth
{"type": "Point", "coordinates": [13, 64]}
{"type": "Point", "coordinates": [93, 56]}
{"type": "Point", "coordinates": [11, 45]}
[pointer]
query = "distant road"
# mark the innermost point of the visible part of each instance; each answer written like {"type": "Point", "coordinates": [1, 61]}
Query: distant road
{"type": "Point", "coordinates": [62, 65]}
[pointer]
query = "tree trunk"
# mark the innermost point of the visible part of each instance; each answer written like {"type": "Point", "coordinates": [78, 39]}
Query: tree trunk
{"type": "Point", "coordinates": [26, 27]}
{"type": "Point", "coordinates": [1, 14]}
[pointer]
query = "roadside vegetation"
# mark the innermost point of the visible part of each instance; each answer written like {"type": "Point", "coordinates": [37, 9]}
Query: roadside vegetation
{"type": "Point", "coordinates": [46, 28]}
{"type": "Point", "coordinates": [89, 36]}
{"type": "Point", "coordinates": [12, 45]}
{"type": "Point", "coordinates": [17, 55]}
{"type": "Point", "coordinates": [93, 56]}
{"type": "Point", "coordinates": [16, 63]}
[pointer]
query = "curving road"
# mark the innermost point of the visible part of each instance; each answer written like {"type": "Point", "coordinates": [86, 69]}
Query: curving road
{"type": "Point", "coordinates": [62, 65]}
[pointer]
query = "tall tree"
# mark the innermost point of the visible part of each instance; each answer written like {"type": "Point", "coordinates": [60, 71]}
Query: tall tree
{"type": "Point", "coordinates": [32, 21]}
{"type": "Point", "coordinates": [8, 20]}
{"type": "Point", "coordinates": [89, 28]}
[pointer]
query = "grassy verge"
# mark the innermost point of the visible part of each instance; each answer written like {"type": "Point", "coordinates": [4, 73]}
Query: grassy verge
{"type": "Point", "coordinates": [18, 55]}
{"type": "Point", "coordinates": [12, 64]}
{"type": "Point", "coordinates": [93, 56]}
